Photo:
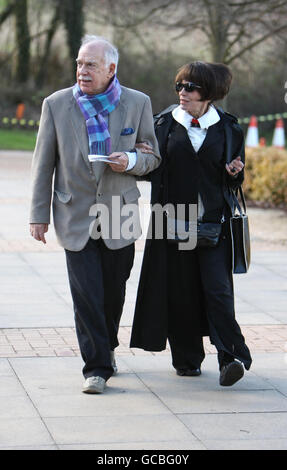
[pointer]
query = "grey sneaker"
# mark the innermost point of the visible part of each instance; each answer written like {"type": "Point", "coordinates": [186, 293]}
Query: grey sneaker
{"type": "Point", "coordinates": [94, 385]}
{"type": "Point", "coordinates": [113, 361]}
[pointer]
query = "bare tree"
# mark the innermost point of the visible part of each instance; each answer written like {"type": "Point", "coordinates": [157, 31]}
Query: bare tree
{"type": "Point", "coordinates": [232, 28]}
{"type": "Point", "coordinates": [7, 11]}
{"type": "Point", "coordinates": [73, 18]}
{"type": "Point", "coordinates": [22, 40]}
{"type": "Point", "coordinates": [126, 17]}
{"type": "Point", "coordinates": [67, 12]}
{"type": "Point", "coordinates": [50, 33]}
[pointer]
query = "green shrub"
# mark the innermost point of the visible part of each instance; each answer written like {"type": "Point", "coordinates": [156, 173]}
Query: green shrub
{"type": "Point", "coordinates": [266, 176]}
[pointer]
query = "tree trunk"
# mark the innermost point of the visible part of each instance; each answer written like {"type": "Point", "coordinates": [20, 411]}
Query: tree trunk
{"type": "Point", "coordinates": [40, 78]}
{"type": "Point", "coordinates": [7, 12]}
{"type": "Point", "coordinates": [74, 24]}
{"type": "Point", "coordinates": [217, 26]}
{"type": "Point", "coordinates": [22, 41]}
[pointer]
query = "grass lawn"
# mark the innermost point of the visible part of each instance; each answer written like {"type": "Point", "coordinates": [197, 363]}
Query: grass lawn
{"type": "Point", "coordinates": [17, 139]}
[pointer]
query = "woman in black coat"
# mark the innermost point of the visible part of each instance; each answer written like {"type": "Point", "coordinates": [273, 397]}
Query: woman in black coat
{"type": "Point", "coordinates": [184, 295]}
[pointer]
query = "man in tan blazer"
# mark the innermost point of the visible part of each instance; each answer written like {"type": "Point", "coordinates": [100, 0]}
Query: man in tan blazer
{"type": "Point", "coordinates": [95, 204]}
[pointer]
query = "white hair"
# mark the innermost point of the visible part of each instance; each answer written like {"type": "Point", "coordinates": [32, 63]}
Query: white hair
{"type": "Point", "coordinates": [110, 51]}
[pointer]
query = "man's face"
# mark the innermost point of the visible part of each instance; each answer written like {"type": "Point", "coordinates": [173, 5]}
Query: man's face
{"type": "Point", "coordinates": [190, 102]}
{"type": "Point", "coordinates": [93, 76]}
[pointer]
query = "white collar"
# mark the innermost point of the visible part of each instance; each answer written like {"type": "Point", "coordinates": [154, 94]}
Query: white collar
{"type": "Point", "coordinates": [208, 119]}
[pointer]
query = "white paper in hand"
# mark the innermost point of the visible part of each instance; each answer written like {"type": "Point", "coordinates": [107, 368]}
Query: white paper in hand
{"type": "Point", "coordinates": [101, 158]}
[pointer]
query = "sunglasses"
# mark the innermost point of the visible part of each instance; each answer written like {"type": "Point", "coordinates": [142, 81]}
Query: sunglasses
{"type": "Point", "coordinates": [189, 86]}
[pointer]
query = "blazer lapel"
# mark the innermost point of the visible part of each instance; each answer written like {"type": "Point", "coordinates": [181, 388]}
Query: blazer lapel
{"type": "Point", "coordinates": [79, 127]}
{"type": "Point", "coordinates": [116, 123]}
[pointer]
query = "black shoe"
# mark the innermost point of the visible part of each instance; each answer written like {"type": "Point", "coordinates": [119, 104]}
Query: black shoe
{"type": "Point", "coordinates": [189, 372]}
{"type": "Point", "coordinates": [231, 373]}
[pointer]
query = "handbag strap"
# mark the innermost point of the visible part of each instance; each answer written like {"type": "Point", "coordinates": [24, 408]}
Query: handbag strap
{"type": "Point", "coordinates": [240, 190]}
{"type": "Point", "coordinates": [234, 194]}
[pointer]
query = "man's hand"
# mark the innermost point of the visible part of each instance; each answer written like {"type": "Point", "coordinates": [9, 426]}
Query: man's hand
{"type": "Point", "coordinates": [121, 160]}
{"type": "Point", "coordinates": [38, 230]}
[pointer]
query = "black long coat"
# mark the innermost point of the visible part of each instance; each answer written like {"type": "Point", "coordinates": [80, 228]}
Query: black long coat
{"type": "Point", "coordinates": [150, 326]}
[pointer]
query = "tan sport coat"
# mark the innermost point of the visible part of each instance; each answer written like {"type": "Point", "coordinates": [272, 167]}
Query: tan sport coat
{"type": "Point", "coordinates": [62, 151]}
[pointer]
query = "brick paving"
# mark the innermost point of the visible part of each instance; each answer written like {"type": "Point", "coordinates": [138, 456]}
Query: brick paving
{"type": "Point", "coordinates": [62, 342]}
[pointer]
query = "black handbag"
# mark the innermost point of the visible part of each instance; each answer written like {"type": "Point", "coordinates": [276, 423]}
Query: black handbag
{"type": "Point", "coordinates": [203, 234]}
{"type": "Point", "coordinates": [240, 238]}
{"type": "Point", "coordinates": [239, 225]}
{"type": "Point", "coordinates": [208, 234]}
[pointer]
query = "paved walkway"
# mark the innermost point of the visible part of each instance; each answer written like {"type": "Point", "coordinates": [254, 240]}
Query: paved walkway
{"type": "Point", "coordinates": [146, 406]}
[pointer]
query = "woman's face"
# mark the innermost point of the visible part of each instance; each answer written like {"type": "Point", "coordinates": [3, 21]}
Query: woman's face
{"type": "Point", "coordinates": [191, 102]}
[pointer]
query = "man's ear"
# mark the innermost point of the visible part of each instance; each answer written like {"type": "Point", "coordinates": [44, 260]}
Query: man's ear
{"type": "Point", "coordinates": [111, 70]}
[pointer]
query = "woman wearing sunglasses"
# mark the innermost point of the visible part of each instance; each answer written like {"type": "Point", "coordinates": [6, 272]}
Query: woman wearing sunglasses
{"type": "Point", "coordinates": [185, 294]}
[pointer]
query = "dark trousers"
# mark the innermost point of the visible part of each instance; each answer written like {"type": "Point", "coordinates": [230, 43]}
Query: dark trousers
{"type": "Point", "coordinates": [201, 296]}
{"type": "Point", "coordinates": [97, 277]}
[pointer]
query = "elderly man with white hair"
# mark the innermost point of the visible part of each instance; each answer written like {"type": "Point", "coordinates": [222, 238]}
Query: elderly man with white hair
{"type": "Point", "coordinates": [86, 158]}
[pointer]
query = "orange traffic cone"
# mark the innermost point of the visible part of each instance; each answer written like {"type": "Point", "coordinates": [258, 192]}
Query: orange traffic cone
{"type": "Point", "coordinates": [279, 135]}
{"type": "Point", "coordinates": [20, 111]}
{"type": "Point", "coordinates": [252, 138]}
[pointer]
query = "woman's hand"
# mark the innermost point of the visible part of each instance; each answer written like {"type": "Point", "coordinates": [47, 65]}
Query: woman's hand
{"type": "Point", "coordinates": [234, 167]}
{"type": "Point", "coordinates": [144, 147]}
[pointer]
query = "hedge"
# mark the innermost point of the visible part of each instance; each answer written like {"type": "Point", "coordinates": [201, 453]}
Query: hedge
{"type": "Point", "coordinates": [266, 176]}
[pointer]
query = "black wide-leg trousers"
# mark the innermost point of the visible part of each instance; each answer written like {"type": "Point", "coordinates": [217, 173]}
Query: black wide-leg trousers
{"type": "Point", "coordinates": [97, 277]}
{"type": "Point", "coordinates": [200, 286]}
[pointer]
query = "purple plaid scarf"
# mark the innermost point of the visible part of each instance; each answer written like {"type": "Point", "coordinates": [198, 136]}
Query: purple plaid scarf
{"type": "Point", "coordinates": [94, 108]}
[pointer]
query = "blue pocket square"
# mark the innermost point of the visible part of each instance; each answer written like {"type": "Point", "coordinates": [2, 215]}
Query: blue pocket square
{"type": "Point", "coordinates": [127, 131]}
